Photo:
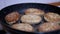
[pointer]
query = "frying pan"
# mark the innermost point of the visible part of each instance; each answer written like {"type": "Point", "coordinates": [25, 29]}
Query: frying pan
{"type": "Point", "coordinates": [20, 8]}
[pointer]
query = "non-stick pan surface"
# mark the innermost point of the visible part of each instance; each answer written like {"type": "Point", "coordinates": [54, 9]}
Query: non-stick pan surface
{"type": "Point", "coordinates": [20, 8]}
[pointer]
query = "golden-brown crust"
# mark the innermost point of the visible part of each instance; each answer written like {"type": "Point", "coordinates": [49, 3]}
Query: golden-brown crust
{"type": "Point", "coordinates": [34, 11]}
{"type": "Point", "coordinates": [23, 27]}
{"type": "Point", "coordinates": [12, 17]}
{"type": "Point", "coordinates": [47, 27]}
{"type": "Point", "coordinates": [52, 17]}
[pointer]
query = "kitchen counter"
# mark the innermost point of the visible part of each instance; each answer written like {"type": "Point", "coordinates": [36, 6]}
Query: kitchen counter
{"type": "Point", "coordinates": [4, 3]}
{"type": "Point", "coordinates": [55, 3]}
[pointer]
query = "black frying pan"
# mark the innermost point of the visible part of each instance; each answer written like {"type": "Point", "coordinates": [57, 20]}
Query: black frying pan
{"type": "Point", "coordinates": [20, 8]}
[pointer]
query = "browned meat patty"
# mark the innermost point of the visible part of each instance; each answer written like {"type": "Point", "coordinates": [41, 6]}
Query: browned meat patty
{"type": "Point", "coordinates": [23, 27]}
{"type": "Point", "coordinates": [12, 17]}
{"type": "Point", "coordinates": [34, 11]}
{"type": "Point", "coordinates": [31, 19]}
{"type": "Point", "coordinates": [47, 27]}
{"type": "Point", "coordinates": [52, 17]}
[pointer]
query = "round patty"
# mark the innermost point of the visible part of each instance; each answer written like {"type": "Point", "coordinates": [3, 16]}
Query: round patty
{"type": "Point", "coordinates": [52, 17]}
{"type": "Point", "coordinates": [23, 27]}
{"type": "Point", "coordinates": [47, 27]}
{"type": "Point", "coordinates": [12, 17]}
{"type": "Point", "coordinates": [34, 11]}
{"type": "Point", "coordinates": [31, 19]}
